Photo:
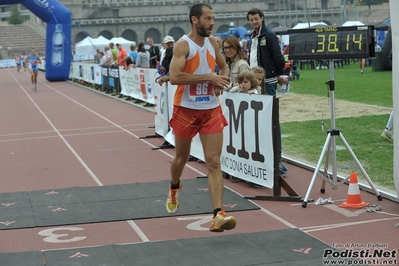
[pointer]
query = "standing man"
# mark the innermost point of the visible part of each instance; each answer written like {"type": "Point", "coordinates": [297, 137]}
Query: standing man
{"type": "Point", "coordinates": [33, 60]}
{"type": "Point", "coordinates": [122, 55]}
{"type": "Point", "coordinates": [196, 109]}
{"type": "Point", "coordinates": [108, 57]}
{"type": "Point", "coordinates": [113, 51]}
{"type": "Point", "coordinates": [155, 54]}
{"type": "Point", "coordinates": [265, 51]}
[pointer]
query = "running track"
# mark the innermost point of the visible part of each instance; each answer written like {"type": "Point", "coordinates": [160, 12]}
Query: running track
{"type": "Point", "coordinates": [65, 135]}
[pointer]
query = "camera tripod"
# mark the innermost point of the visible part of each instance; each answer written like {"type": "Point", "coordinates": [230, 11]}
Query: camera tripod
{"type": "Point", "coordinates": [330, 149]}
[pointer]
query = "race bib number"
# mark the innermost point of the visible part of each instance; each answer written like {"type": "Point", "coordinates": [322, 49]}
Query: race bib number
{"type": "Point", "coordinates": [200, 89]}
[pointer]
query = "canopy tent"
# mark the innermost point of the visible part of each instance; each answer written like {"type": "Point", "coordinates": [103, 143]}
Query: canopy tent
{"type": "Point", "coordinates": [309, 25]}
{"type": "Point", "coordinates": [125, 43]}
{"type": "Point", "coordinates": [281, 30]}
{"type": "Point", "coordinates": [88, 45]}
{"type": "Point", "coordinates": [353, 23]}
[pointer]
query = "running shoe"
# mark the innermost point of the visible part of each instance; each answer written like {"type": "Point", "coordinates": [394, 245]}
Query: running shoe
{"type": "Point", "coordinates": [172, 202]}
{"type": "Point", "coordinates": [34, 86]}
{"type": "Point", "coordinates": [387, 134]}
{"type": "Point", "coordinates": [222, 222]}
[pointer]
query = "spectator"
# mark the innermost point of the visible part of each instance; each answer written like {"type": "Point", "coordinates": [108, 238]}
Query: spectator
{"type": "Point", "coordinates": [259, 73]}
{"type": "Point", "coordinates": [247, 83]}
{"type": "Point", "coordinates": [244, 47]}
{"type": "Point", "coordinates": [97, 58]}
{"type": "Point", "coordinates": [122, 55]}
{"type": "Point", "coordinates": [155, 55]}
{"type": "Point", "coordinates": [168, 41]}
{"type": "Point", "coordinates": [235, 58]}
{"type": "Point", "coordinates": [108, 57]}
{"type": "Point", "coordinates": [113, 51]}
{"type": "Point", "coordinates": [133, 53]}
{"type": "Point", "coordinates": [102, 56]}
{"type": "Point", "coordinates": [387, 133]}
{"type": "Point", "coordinates": [166, 64]}
{"type": "Point", "coordinates": [265, 51]}
{"type": "Point", "coordinates": [219, 41]}
{"type": "Point", "coordinates": [143, 56]}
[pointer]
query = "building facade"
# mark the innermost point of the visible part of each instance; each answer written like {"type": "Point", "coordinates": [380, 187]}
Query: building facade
{"type": "Point", "coordinates": [136, 20]}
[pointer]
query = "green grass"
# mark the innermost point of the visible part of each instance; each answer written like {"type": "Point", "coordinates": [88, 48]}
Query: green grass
{"type": "Point", "coordinates": [305, 140]}
{"type": "Point", "coordinates": [373, 88]}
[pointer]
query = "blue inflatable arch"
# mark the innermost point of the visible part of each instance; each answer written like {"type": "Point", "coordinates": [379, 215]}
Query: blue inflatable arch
{"type": "Point", "coordinates": [58, 35]}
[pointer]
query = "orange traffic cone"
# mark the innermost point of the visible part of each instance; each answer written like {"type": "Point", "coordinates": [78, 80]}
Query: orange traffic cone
{"type": "Point", "coordinates": [353, 199]}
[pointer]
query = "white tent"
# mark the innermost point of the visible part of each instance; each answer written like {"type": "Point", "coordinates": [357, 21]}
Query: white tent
{"type": "Point", "coordinates": [306, 25]}
{"type": "Point", "coordinates": [353, 23]}
{"type": "Point", "coordinates": [125, 43]}
{"type": "Point", "coordinates": [88, 45]}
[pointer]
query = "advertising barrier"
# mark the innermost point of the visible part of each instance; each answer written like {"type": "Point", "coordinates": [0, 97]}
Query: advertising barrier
{"type": "Point", "coordinates": [7, 63]}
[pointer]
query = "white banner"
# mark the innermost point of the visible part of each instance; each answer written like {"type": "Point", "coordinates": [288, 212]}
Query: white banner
{"type": "Point", "coordinates": [162, 106]}
{"type": "Point", "coordinates": [86, 71]}
{"type": "Point", "coordinates": [247, 140]}
{"type": "Point", "coordinates": [247, 151]}
{"type": "Point", "coordinates": [7, 63]}
{"type": "Point", "coordinates": [139, 83]}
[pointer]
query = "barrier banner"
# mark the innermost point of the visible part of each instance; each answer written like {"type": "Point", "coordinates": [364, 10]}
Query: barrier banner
{"type": "Point", "coordinates": [162, 114]}
{"type": "Point", "coordinates": [247, 141]}
{"type": "Point", "coordinates": [130, 83]}
{"type": "Point", "coordinates": [110, 77]}
{"type": "Point", "coordinates": [84, 71]}
{"type": "Point", "coordinates": [7, 63]}
{"type": "Point", "coordinates": [139, 83]}
{"type": "Point", "coordinates": [247, 151]}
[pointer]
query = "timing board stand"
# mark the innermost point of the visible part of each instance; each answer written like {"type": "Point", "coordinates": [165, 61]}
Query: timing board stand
{"type": "Point", "coordinates": [330, 148]}
{"type": "Point", "coordinates": [279, 181]}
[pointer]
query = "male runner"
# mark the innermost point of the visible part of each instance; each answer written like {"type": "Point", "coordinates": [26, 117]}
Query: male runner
{"type": "Point", "coordinates": [197, 109]}
{"type": "Point", "coordinates": [33, 60]}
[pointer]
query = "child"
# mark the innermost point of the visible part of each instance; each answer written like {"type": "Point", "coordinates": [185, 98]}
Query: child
{"type": "Point", "coordinates": [247, 83]}
{"type": "Point", "coordinates": [259, 73]}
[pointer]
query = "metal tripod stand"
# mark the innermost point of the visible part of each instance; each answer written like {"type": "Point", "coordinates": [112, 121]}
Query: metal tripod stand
{"type": "Point", "coordinates": [330, 148]}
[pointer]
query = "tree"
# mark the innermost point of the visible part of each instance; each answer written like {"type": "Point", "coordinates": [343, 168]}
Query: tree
{"type": "Point", "coordinates": [15, 17]}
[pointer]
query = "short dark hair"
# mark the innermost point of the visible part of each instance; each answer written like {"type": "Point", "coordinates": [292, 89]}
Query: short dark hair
{"type": "Point", "coordinates": [255, 11]}
{"type": "Point", "coordinates": [196, 11]}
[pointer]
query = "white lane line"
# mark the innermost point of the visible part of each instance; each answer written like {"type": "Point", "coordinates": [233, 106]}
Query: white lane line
{"type": "Point", "coordinates": [333, 226]}
{"type": "Point", "coordinates": [65, 135]}
{"type": "Point", "coordinates": [93, 176]}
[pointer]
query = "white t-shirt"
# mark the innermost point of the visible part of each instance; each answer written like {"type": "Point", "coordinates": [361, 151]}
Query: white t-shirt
{"type": "Point", "coordinates": [253, 58]}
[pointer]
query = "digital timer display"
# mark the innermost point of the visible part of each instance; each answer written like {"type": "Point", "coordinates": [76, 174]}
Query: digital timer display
{"type": "Point", "coordinates": [331, 43]}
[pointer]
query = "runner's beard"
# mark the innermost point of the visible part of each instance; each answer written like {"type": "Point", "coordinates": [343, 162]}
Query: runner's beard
{"type": "Point", "coordinates": [202, 31]}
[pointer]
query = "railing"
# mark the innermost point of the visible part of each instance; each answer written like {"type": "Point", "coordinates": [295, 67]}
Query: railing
{"type": "Point", "coordinates": [181, 17]}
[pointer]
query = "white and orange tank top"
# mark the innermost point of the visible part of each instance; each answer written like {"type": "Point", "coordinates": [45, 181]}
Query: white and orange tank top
{"type": "Point", "coordinates": [200, 60]}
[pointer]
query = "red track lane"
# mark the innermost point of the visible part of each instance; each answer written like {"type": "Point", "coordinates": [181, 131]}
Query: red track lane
{"type": "Point", "coordinates": [64, 135]}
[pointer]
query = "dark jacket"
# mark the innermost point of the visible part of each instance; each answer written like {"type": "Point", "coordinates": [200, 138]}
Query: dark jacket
{"type": "Point", "coordinates": [269, 54]}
